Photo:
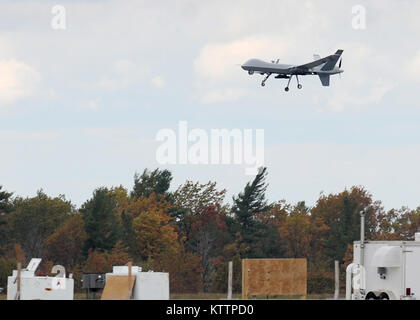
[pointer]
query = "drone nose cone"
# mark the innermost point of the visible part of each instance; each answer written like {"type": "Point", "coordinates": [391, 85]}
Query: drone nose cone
{"type": "Point", "coordinates": [249, 63]}
{"type": "Point", "coordinates": [245, 65]}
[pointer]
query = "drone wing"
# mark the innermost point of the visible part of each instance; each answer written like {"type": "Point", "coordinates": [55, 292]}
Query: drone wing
{"type": "Point", "coordinates": [329, 62]}
{"type": "Point", "coordinates": [332, 61]}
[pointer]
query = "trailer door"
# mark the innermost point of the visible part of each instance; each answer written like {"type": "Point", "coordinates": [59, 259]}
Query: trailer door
{"type": "Point", "coordinates": [412, 270]}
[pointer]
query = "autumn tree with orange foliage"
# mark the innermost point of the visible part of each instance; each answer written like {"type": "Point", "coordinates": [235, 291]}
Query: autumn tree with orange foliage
{"type": "Point", "coordinates": [65, 245]}
{"type": "Point", "coordinates": [341, 213]}
{"type": "Point", "coordinates": [154, 235]}
{"type": "Point", "coordinates": [302, 233]}
{"type": "Point", "coordinates": [209, 234]}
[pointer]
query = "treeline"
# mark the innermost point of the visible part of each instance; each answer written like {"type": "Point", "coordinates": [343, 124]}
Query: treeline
{"type": "Point", "coordinates": [192, 232]}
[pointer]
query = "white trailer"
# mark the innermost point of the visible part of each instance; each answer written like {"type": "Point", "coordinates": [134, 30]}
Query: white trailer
{"type": "Point", "coordinates": [146, 286]}
{"type": "Point", "coordinates": [39, 288]}
{"type": "Point", "coordinates": [387, 270]}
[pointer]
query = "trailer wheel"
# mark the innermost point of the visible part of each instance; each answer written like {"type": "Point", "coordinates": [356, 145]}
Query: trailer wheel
{"type": "Point", "coordinates": [371, 296]}
{"type": "Point", "coordinates": [383, 296]}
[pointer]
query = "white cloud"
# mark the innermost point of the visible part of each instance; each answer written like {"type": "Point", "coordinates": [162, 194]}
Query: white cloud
{"type": "Point", "coordinates": [342, 99]}
{"type": "Point", "coordinates": [220, 79]}
{"type": "Point", "coordinates": [412, 68]}
{"type": "Point", "coordinates": [124, 67]}
{"type": "Point", "coordinates": [159, 82]}
{"type": "Point", "coordinates": [6, 49]}
{"type": "Point", "coordinates": [17, 81]}
{"type": "Point", "coordinates": [222, 60]}
{"type": "Point", "coordinates": [92, 104]}
{"type": "Point", "coordinates": [124, 74]}
{"type": "Point", "coordinates": [356, 88]}
{"type": "Point", "coordinates": [217, 68]}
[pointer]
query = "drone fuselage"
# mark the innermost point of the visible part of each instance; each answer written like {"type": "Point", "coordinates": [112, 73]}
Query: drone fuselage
{"type": "Point", "coordinates": [324, 68]}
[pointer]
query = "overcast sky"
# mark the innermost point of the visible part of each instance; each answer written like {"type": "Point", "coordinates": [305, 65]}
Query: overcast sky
{"type": "Point", "coordinates": [80, 107]}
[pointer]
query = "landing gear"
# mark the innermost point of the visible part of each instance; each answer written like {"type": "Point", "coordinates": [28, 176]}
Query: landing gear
{"type": "Point", "coordinates": [251, 72]}
{"type": "Point", "coordinates": [265, 79]}
{"type": "Point", "coordinates": [288, 82]}
{"type": "Point", "coordinates": [299, 86]}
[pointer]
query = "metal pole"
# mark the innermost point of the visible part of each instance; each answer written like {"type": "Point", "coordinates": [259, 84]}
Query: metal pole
{"type": "Point", "coordinates": [362, 237]}
{"type": "Point", "coordinates": [230, 280]}
{"type": "Point", "coordinates": [337, 279]}
{"type": "Point", "coordinates": [129, 279]}
{"type": "Point", "coordinates": [19, 270]}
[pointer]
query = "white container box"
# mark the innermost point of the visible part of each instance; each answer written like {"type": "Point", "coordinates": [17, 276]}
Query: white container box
{"type": "Point", "coordinates": [39, 288]}
{"type": "Point", "coordinates": [148, 285]}
{"type": "Point", "coordinates": [151, 286]}
{"type": "Point", "coordinates": [124, 269]}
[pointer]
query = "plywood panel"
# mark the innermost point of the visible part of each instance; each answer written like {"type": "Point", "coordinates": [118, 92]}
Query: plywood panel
{"type": "Point", "coordinates": [118, 287]}
{"type": "Point", "coordinates": [271, 277]}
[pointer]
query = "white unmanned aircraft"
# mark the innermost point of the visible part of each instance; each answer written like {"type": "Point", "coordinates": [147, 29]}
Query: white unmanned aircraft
{"type": "Point", "coordinates": [323, 67]}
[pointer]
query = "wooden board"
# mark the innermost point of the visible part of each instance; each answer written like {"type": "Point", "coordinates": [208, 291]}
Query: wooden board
{"type": "Point", "coordinates": [118, 287]}
{"type": "Point", "coordinates": [274, 277]}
